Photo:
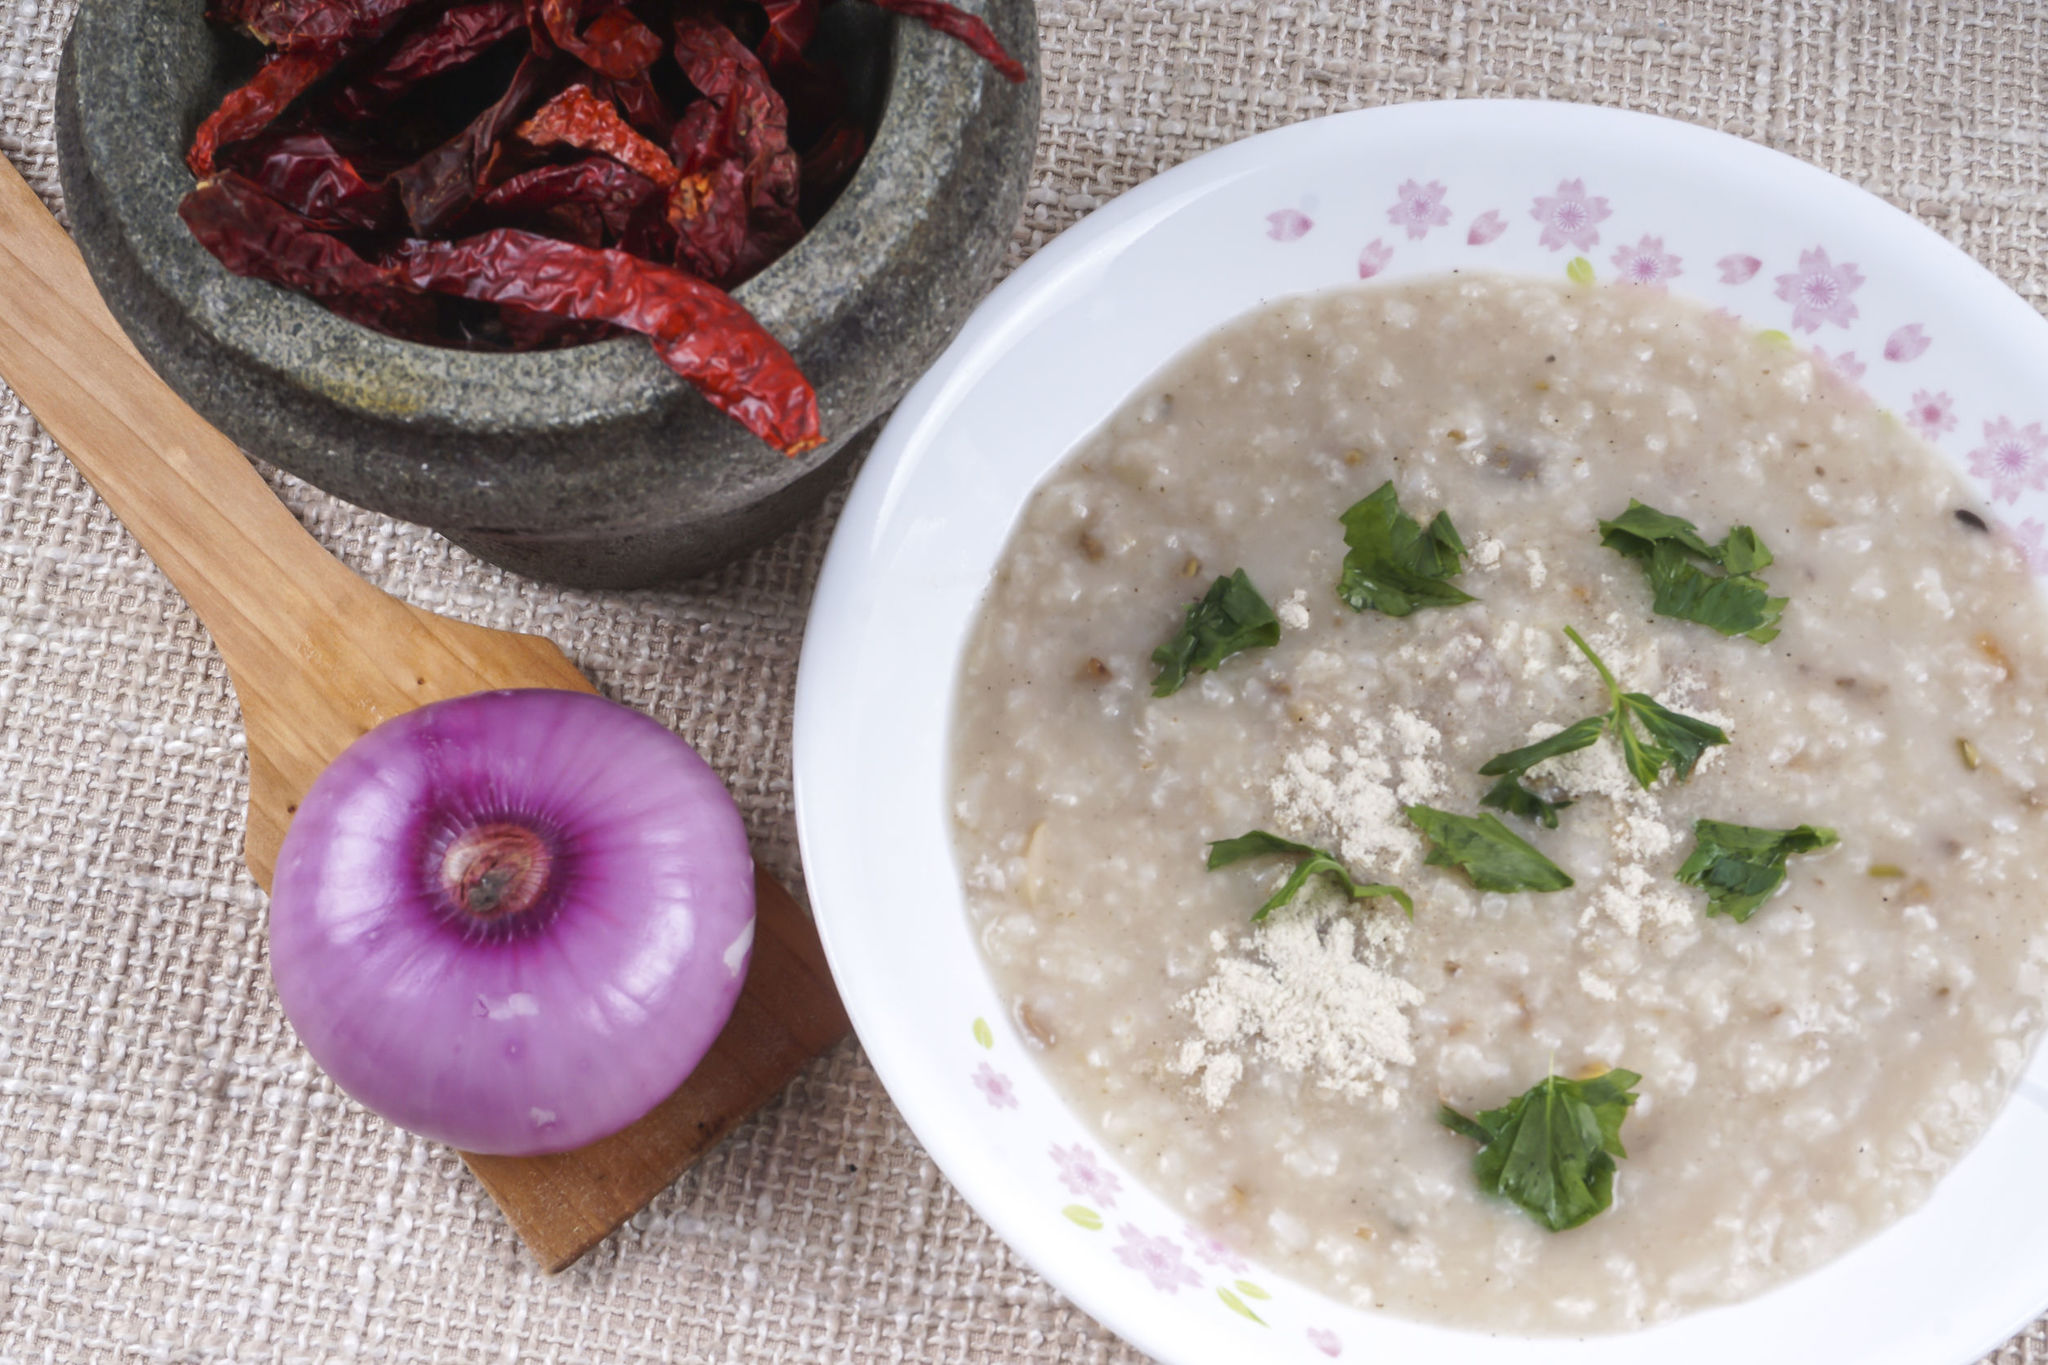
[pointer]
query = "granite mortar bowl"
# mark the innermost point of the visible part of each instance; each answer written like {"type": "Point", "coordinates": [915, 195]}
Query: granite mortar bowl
{"type": "Point", "coordinates": [594, 466]}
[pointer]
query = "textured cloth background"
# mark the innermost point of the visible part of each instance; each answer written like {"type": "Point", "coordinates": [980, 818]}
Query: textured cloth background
{"type": "Point", "coordinates": [177, 1182]}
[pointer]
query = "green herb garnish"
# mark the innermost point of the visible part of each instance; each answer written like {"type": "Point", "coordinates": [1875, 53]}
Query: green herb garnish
{"type": "Point", "coordinates": [1394, 565]}
{"type": "Point", "coordinates": [1314, 862]}
{"type": "Point", "coordinates": [1638, 530]}
{"type": "Point", "coordinates": [1668, 739]}
{"type": "Point", "coordinates": [1486, 850]}
{"type": "Point", "coordinates": [1552, 1149]}
{"type": "Point", "coordinates": [1230, 617]}
{"type": "Point", "coordinates": [1739, 866]}
{"type": "Point", "coordinates": [1670, 549]}
{"type": "Point", "coordinates": [1510, 795]}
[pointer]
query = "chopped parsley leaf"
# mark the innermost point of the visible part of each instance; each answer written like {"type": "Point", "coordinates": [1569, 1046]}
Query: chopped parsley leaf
{"type": "Point", "coordinates": [1672, 553]}
{"type": "Point", "coordinates": [1740, 866]}
{"type": "Point", "coordinates": [1552, 1148]}
{"type": "Point", "coordinates": [1229, 618]}
{"type": "Point", "coordinates": [1510, 795]}
{"type": "Point", "coordinates": [1394, 564]}
{"type": "Point", "coordinates": [1669, 739]}
{"type": "Point", "coordinates": [1314, 862]}
{"type": "Point", "coordinates": [1492, 856]}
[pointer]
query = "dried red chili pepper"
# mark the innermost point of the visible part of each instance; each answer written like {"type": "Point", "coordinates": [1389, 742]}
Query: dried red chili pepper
{"type": "Point", "coordinates": [791, 26]}
{"type": "Point", "coordinates": [441, 184]}
{"type": "Point", "coordinates": [577, 118]}
{"type": "Point", "coordinates": [753, 129]}
{"type": "Point", "coordinates": [327, 26]}
{"type": "Point", "coordinates": [708, 210]}
{"type": "Point", "coordinates": [253, 235]}
{"type": "Point", "coordinates": [528, 329]}
{"type": "Point", "coordinates": [250, 109]}
{"type": "Point", "coordinates": [308, 174]}
{"type": "Point", "coordinates": [648, 234]}
{"type": "Point", "coordinates": [698, 330]}
{"type": "Point", "coordinates": [641, 103]}
{"type": "Point", "coordinates": [616, 44]}
{"type": "Point", "coordinates": [727, 71]}
{"type": "Point", "coordinates": [614, 193]}
{"type": "Point", "coordinates": [968, 28]}
{"type": "Point", "coordinates": [701, 136]}
{"type": "Point", "coordinates": [453, 39]}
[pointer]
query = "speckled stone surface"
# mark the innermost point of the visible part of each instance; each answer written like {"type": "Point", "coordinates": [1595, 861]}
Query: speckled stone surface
{"type": "Point", "coordinates": [593, 466]}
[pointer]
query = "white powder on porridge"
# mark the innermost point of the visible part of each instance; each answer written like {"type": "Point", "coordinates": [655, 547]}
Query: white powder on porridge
{"type": "Point", "coordinates": [1293, 610]}
{"type": "Point", "coordinates": [1312, 990]}
{"type": "Point", "coordinates": [1349, 798]}
{"type": "Point", "coordinates": [1309, 992]}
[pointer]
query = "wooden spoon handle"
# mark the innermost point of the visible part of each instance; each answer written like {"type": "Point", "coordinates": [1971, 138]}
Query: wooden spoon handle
{"type": "Point", "coordinates": [185, 491]}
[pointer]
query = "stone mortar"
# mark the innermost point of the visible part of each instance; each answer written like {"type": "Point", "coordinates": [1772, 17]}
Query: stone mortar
{"type": "Point", "coordinates": [594, 466]}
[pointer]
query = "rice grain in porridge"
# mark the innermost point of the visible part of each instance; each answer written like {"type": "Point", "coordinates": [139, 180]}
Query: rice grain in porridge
{"type": "Point", "coordinates": [1807, 1075]}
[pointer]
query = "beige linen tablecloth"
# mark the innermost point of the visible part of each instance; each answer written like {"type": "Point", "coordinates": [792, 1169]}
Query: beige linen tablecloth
{"type": "Point", "coordinates": [178, 1183]}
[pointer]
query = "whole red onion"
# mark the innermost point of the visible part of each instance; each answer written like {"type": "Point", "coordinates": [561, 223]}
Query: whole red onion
{"type": "Point", "coordinates": [513, 921]}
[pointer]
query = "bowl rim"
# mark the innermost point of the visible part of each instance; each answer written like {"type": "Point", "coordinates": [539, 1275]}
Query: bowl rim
{"type": "Point", "coordinates": [873, 528]}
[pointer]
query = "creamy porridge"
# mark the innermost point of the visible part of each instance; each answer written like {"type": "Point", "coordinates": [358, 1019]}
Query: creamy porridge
{"type": "Point", "coordinates": [1806, 1075]}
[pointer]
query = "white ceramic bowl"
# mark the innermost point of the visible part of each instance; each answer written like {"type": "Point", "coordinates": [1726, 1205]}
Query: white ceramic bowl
{"type": "Point", "coordinates": [1414, 189]}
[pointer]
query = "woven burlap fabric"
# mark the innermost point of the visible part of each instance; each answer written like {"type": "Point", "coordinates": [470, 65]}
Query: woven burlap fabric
{"type": "Point", "coordinates": [176, 1180]}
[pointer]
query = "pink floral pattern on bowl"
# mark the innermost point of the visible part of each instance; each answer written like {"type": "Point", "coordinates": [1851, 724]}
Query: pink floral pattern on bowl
{"type": "Point", "coordinates": [1084, 1175]}
{"type": "Point", "coordinates": [1158, 1259]}
{"type": "Point", "coordinates": [995, 1087]}
{"type": "Point", "coordinates": [1820, 291]}
{"type": "Point", "coordinates": [2012, 458]}
{"type": "Point", "coordinates": [1418, 208]}
{"type": "Point", "coordinates": [1933, 415]}
{"type": "Point", "coordinates": [1215, 1251]}
{"type": "Point", "coordinates": [1288, 225]}
{"type": "Point", "coordinates": [1570, 217]}
{"type": "Point", "coordinates": [1844, 366]}
{"type": "Point", "coordinates": [1646, 263]}
{"type": "Point", "coordinates": [1908, 343]}
{"type": "Point", "coordinates": [1738, 268]}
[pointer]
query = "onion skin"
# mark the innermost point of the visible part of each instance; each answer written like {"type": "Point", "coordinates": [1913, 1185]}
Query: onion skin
{"type": "Point", "coordinates": [526, 1028]}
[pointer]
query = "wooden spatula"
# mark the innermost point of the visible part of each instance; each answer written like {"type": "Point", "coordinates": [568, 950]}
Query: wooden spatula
{"type": "Point", "coordinates": [318, 657]}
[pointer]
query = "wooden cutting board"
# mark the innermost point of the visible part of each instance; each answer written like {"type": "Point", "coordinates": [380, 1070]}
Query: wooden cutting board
{"type": "Point", "coordinates": [318, 657]}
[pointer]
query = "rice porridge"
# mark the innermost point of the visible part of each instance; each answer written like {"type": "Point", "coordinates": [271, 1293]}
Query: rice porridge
{"type": "Point", "coordinates": [1807, 1075]}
